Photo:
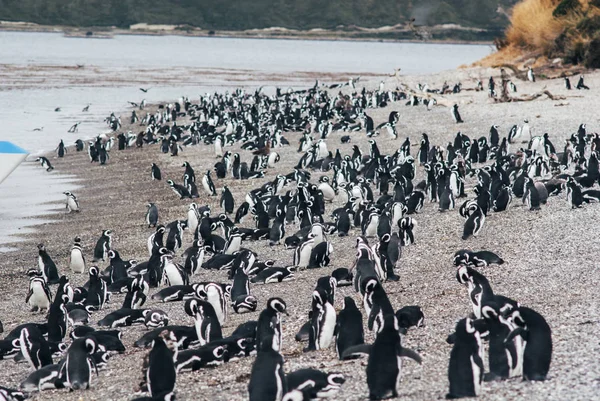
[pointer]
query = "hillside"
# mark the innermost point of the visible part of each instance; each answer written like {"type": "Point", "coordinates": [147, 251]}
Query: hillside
{"type": "Point", "coordinates": [236, 15]}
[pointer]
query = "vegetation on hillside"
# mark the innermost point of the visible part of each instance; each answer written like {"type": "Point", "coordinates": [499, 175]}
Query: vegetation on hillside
{"type": "Point", "coordinates": [549, 29]}
{"type": "Point", "coordinates": [251, 14]}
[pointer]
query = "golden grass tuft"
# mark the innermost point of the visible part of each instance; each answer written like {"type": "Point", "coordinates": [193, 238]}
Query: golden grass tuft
{"type": "Point", "coordinates": [533, 25]}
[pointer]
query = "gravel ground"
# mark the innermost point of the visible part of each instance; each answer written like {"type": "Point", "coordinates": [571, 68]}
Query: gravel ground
{"type": "Point", "coordinates": [551, 256]}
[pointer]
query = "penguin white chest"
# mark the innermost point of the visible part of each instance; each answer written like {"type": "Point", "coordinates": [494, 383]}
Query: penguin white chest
{"type": "Point", "coordinates": [327, 327]}
{"type": "Point", "coordinates": [38, 297]}
{"type": "Point", "coordinates": [77, 262]}
{"type": "Point", "coordinates": [173, 275]}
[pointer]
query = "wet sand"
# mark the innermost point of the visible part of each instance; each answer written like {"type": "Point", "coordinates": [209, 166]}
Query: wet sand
{"type": "Point", "coordinates": [550, 255]}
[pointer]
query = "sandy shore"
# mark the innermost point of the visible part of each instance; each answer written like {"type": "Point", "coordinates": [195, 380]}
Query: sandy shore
{"type": "Point", "coordinates": [551, 255]}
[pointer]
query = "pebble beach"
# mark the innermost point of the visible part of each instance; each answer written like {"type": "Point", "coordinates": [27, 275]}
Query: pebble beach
{"type": "Point", "coordinates": [551, 254]}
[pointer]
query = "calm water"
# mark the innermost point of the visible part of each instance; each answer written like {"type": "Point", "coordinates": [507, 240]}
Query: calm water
{"type": "Point", "coordinates": [42, 71]}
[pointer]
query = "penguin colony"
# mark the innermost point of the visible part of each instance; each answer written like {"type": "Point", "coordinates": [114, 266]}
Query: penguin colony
{"type": "Point", "coordinates": [73, 339]}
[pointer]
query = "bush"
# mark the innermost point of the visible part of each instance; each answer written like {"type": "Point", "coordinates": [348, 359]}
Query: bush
{"type": "Point", "coordinates": [592, 56]}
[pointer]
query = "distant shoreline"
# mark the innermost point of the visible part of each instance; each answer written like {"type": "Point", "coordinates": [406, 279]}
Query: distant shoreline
{"type": "Point", "coordinates": [269, 33]}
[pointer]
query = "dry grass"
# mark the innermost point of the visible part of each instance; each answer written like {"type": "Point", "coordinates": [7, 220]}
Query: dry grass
{"type": "Point", "coordinates": [533, 25]}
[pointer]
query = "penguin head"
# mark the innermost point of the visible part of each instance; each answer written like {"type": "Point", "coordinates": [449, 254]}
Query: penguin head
{"type": "Point", "coordinates": [93, 271]}
{"type": "Point", "coordinates": [278, 305]}
{"type": "Point", "coordinates": [191, 307]}
{"type": "Point", "coordinates": [41, 247]}
{"type": "Point", "coordinates": [335, 379]}
{"type": "Point", "coordinates": [107, 233]}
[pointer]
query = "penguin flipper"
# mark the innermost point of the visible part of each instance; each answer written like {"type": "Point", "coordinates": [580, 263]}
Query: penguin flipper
{"type": "Point", "coordinates": [519, 331]}
{"type": "Point", "coordinates": [356, 351]}
{"type": "Point", "coordinates": [408, 353]}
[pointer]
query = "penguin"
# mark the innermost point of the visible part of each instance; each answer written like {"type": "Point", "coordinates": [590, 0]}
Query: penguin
{"type": "Point", "coordinates": [122, 318]}
{"type": "Point", "coordinates": [103, 155]}
{"type": "Point", "coordinates": [581, 84]}
{"type": "Point", "coordinates": [326, 189]}
{"type": "Point", "coordinates": [208, 185]}
{"type": "Point", "coordinates": [155, 240]}
{"type": "Point", "coordinates": [342, 222]}
{"type": "Point", "coordinates": [47, 266]}
{"type": "Point", "coordinates": [72, 204]}
{"type": "Point", "coordinates": [179, 190]}
{"type": "Point", "coordinates": [206, 322]}
{"type": "Point", "coordinates": [160, 373]}
{"type": "Point", "coordinates": [477, 259]}
{"type": "Point", "coordinates": [267, 378]}
{"type": "Point", "coordinates": [46, 378]}
{"type": "Point", "coordinates": [409, 316]}
{"type": "Point", "coordinates": [465, 370]}
{"type": "Point", "coordinates": [503, 199]}
{"type": "Point", "coordinates": [77, 369]}
{"type": "Point", "coordinates": [172, 273]}
{"type": "Point", "coordinates": [45, 163]}
{"type": "Point", "coordinates": [156, 318]}
{"type": "Point", "coordinates": [456, 114]}
{"type": "Point", "coordinates": [531, 195]}
{"type": "Point", "coordinates": [505, 357]}
{"type": "Point", "coordinates": [39, 296]}
{"type": "Point", "coordinates": [136, 294]}
{"type": "Point", "coordinates": [77, 259]}
{"type": "Point", "coordinates": [268, 330]}
{"type": "Point", "coordinates": [530, 75]}
{"type": "Point", "coordinates": [97, 293]}
{"type": "Point", "coordinates": [194, 257]}
{"type": "Point", "coordinates": [315, 384]}
{"type": "Point", "coordinates": [103, 245]}
{"type": "Point", "coordinates": [567, 83]}
{"type": "Point", "coordinates": [151, 215]}
{"type": "Point", "coordinates": [384, 367]}
{"type": "Point", "coordinates": [303, 251]}
{"type": "Point", "coordinates": [274, 275]}
{"type": "Point", "coordinates": [349, 327]}
{"type": "Point", "coordinates": [155, 172]}
{"type": "Point", "coordinates": [319, 256]}
{"type": "Point", "coordinates": [323, 321]}
{"type": "Point", "coordinates": [241, 212]}
{"type": "Point", "coordinates": [277, 231]}
{"type": "Point", "coordinates": [574, 193]}
{"type": "Point", "coordinates": [61, 150]}
{"type": "Point", "coordinates": [474, 222]}
{"type": "Point", "coordinates": [423, 149]}
{"type": "Point", "coordinates": [34, 347]}
{"type": "Point", "coordinates": [227, 202]}
{"type": "Point", "coordinates": [208, 355]}
{"type": "Point", "coordinates": [537, 340]}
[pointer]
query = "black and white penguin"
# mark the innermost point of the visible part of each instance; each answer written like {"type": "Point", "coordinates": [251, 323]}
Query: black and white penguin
{"type": "Point", "coordinates": [217, 295]}
{"type": "Point", "coordinates": [97, 293]}
{"type": "Point", "coordinates": [155, 318]}
{"type": "Point", "coordinates": [530, 75]}
{"type": "Point", "coordinates": [303, 251]}
{"type": "Point", "coordinates": [269, 325]}
{"type": "Point", "coordinates": [581, 84]}
{"type": "Point", "coordinates": [267, 379]}
{"type": "Point", "coordinates": [39, 297]}
{"type": "Point", "coordinates": [160, 374]}
{"type": "Point", "coordinates": [567, 83]}
{"type": "Point", "coordinates": [531, 195]}
{"type": "Point", "coordinates": [465, 370]}
{"type": "Point", "coordinates": [227, 202]}
{"type": "Point", "coordinates": [274, 275]}
{"type": "Point", "coordinates": [477, 259]}
{"type": "Point", "coordinates": [323, 321]}
{"type": "Point", "coordinates": [456, 114]}
{"type": "Point", "coordinates": [349, 327]}
{"type": "Point", "coordinates": [155, 172]}
{"type": "Point", "coordinates": [77, 259]}
{"type": "Point", "coordinates": [206, 322]}
{"type": "Point", "coordinates": [179, 190]}
{"type": "Point", "coordinates": [172, 273]}
{"type": "Point", "coordinates": [410, 316]}
{"type": "Point", "coordinates": [34, 347]}
{"type": "Point", "coordinates": [61, 150]}
{"type": "Point", "coordinates": [103, 245]}
{"type": "Point", "coordinates": [505, 357]}
{"type": "Point", "coordinates": [155, 240]}
{"type": "Point", "coordinates": [47, 266]}
{"type": "Point", "coordinates": [151, 215]}
{"type": "Point", "coordinates": [46, 378]}
{"type": "Point", "coordinates": [45, 163]}
{"type": "Point", "coordinates": [574, 193]}
{"type": "Point", "coordinates": [78, 367]}
{"type": "Point", "coordinates": [122, 318]}
{"type": "Point", "coordinates": [208, 185]}
{"type": "Point", "coordinates": [315, 384]}
{"type": "Point", "coordinates": [384, 367]}
{"type": "Point", "coordinates": [474, 222]}
{"type": "Point", "coordinates": [537, 339]}
{"type": "Point", "coordinates": [208, 355]}
{"type": "Point", "coordinates": [423, 149]}
{"type": "Point", "coordinates": [277, 231]}
{"type": "Point", "coordinates": [503, 199]}
{"type": "Point", "coordinates": [241, 212]}
{"type": "Point", "coordinates": [72, 202]}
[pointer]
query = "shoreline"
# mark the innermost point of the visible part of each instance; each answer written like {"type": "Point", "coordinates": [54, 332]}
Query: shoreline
{"type": "Point", "coordinates": [113, 197]}
{"type": "Point", "coordinates": [335, 36]}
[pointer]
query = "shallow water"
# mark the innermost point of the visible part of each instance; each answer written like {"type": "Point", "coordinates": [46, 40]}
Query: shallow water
{"type": "Point", "coordinates": [42, 71]}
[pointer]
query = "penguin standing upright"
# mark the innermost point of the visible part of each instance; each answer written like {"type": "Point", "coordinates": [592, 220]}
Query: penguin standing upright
{"type": "Point", "coordinates": [567, 83]}
{"type": "Point", "coordinates": [160, 373]}
{"type": "Point", "coordinates": [322, 321]}
{"type": "Point", "coordinates": [456, 114]}
{"type": "Point", "coordinates": [47, 265]}
{"type": "Point", "coordinates": [34, 347]}
{"type": "Point", "coordinates": [531, 195]}
{"type": "Point", "coordinates": [151, 215]}
{"type": "Point", "coordinates": [39, 296]}
{"type": "Point", "coordinates": [227, 202]}
{"type": "Point", "coordinates": [77, 260]}
{"type": "Point", "coordinates": [537, 339]}
{"type": "Point", "coordinates": [208, 184]}
{"type": "Point", "coordinates": [103, 245]}
{"type": "Point", "coordinates": [269, 324]}
{"type": "Point", "coordinates": [72, 202]}
{"type": "Point", "coordinates": [349, 327]}
{"type": "Point", "coordinates": [206, 322]}
{"type": "Point", "coordinates": [61, 150]}
{"type": "Point", "coordinates": [423, 149]}
{"type": "Point", "coordinates": [384, 367]}
{"type": "Point", "coordinates": [465, 371]}
{"type": "Point", "coordinates": [530, 75]}
{"type": "Point", "coordinates": [155, 172]}
{"type": "Point", "coordinates": [97, 293]}
{"type": "Point", "coordinates": [267, 379]}
{"type": "Point", "coordinates": [77, 370]}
